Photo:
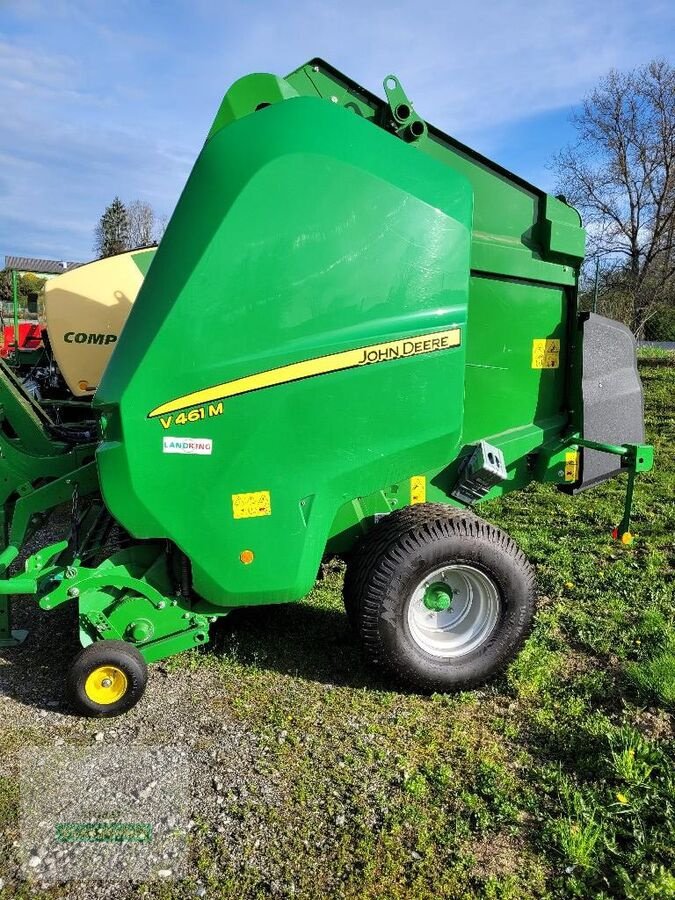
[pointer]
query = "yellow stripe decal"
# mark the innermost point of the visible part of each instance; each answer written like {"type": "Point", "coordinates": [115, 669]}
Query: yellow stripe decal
{"type": "Point", "coordinates": [334, 362]}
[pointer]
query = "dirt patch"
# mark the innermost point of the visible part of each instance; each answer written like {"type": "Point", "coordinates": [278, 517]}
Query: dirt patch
{"type": "Point", "coordinates": [496, 856]}
{"type": "Point", "coordinates": [655, 724]}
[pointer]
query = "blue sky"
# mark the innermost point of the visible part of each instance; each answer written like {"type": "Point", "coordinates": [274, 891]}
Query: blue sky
{"type": "Point", "coordinates": [105, 97]}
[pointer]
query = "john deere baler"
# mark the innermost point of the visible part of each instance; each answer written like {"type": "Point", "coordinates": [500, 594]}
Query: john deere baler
{"type": "Point", "coordinates": [383, 333]}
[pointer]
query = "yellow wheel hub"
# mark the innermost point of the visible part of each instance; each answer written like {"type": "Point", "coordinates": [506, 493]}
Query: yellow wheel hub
{"type": "Point", "coordinates": [105, 685]}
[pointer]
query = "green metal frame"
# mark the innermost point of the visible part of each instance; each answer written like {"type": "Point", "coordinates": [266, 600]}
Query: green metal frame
{"type": "Point", "coordinates": [15, 305]}
{"type": "Point", "coordinates": [37, 473]}
{"type": "Point", "coordinates": [635, 458]}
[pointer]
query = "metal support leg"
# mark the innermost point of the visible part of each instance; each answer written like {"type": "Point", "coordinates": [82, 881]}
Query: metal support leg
{"type": "Point", "coordinates": [635, 458]}
{"type": "Point", "coordinates": [623, 531]}
{"type": "Point", "coordinates": [9, 638]}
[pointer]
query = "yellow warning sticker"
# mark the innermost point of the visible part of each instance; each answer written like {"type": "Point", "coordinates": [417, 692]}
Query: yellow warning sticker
{"type": "Point", "coordinates": [248, 506]}
{"type": "Point", "coordinates": [572, 465]}
{"type": "Point", "coordinates": [545, 353]}
{"type": "Point", "coordinates": [418, 489]}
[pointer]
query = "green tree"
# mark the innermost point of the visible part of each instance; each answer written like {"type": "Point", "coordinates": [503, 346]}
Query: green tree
{"type": "Point", "coordinates": [662, 326]}
{"type": "Point", "coordinates": [6, 286]}
{"type": "Point", "coordinates": [29, 284]}
{"type": "Point", "coordinates": [112, 231]}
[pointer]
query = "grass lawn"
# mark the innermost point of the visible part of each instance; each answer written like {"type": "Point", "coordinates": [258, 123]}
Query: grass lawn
{"type": "Point", "coordinates": [556, 781]}
{"type": "Point", "coordinates": [315, 777]}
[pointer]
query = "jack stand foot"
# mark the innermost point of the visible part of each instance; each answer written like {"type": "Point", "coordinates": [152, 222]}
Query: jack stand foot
{"type": "Point", "coordinates": [18, 636]}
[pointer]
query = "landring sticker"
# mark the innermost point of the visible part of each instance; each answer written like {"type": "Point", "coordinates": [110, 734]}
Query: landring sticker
{"type": "Point", "coordinates": [191, 446]}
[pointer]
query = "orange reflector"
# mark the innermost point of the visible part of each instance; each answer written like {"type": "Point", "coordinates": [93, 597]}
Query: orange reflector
{"type": "Point", "coordinates": [246, 556]}
{"type": "Point", "coordinates": [627, 538]}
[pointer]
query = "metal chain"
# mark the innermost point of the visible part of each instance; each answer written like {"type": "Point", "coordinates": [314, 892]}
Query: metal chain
{"type": "Point", "coordinates": [74, 514]}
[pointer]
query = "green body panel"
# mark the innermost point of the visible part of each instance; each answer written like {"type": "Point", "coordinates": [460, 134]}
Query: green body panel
{"type": "Point", "coordinates": [306, 230]}
{"type": "Point", "coordinates": [518, 230]}
{"type": "Point", "coordinates": [503, 391]}
{"type": "Point", "coordinates": [266, 243]}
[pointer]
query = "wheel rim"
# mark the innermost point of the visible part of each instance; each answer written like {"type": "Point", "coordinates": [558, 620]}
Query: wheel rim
{"type": "Point", "coordinates": [453, 610]}
{"type": "Point", "coordinates": [106, 685]}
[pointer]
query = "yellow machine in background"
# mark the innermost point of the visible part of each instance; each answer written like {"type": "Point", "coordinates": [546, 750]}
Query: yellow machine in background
{"type": "Point", "coordinates": [84, 311]}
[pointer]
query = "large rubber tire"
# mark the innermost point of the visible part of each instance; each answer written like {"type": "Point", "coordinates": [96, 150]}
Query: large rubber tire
{"type": "Point", "coordinates": [119, 663]}
{"type": "Point", "coordinates": [400, 552]}
{"type": "Point", "coordinates": [359, 563]}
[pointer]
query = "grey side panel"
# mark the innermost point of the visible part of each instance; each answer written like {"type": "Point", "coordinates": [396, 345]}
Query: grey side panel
{"type": "Point", "coordinates": [612, 401]}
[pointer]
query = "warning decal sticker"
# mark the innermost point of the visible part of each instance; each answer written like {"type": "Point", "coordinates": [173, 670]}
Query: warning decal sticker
{"type": "Point", "coordinates": [249, 506]}
{"type": "Point", "coordinates": [545, 353]}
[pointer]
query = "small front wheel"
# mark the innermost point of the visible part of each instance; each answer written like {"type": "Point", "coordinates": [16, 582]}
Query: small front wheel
{"type": "Point", "coordinates": [106, 679]}
{"type": "Point", "coordinates": [444, 600]}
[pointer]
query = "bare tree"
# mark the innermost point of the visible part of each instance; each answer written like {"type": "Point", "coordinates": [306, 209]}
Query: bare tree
{"type": "Point", "coordinates": [621, 176]}
{"type": "Point", "coordinates": [142, 224]}
{"type": "Point", "coordinates": [160, 226]}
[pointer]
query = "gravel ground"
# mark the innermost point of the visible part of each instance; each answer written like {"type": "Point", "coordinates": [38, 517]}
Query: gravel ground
{"type": "Point", "coordinates": [179, 727]}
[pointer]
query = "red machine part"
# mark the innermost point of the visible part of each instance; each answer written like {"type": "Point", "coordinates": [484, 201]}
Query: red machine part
{"type": "Point", "coordinates": [30, 337]}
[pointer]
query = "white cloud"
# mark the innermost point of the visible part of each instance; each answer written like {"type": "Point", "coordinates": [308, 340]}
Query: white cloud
{"type": "Point", "coordinates": [470, 65]}
{"type": "Point", "coordinates": [105, 98]}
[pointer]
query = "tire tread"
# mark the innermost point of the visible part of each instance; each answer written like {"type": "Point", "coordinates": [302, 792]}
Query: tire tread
{"type": "Point", "coordinates": [387, 547]}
